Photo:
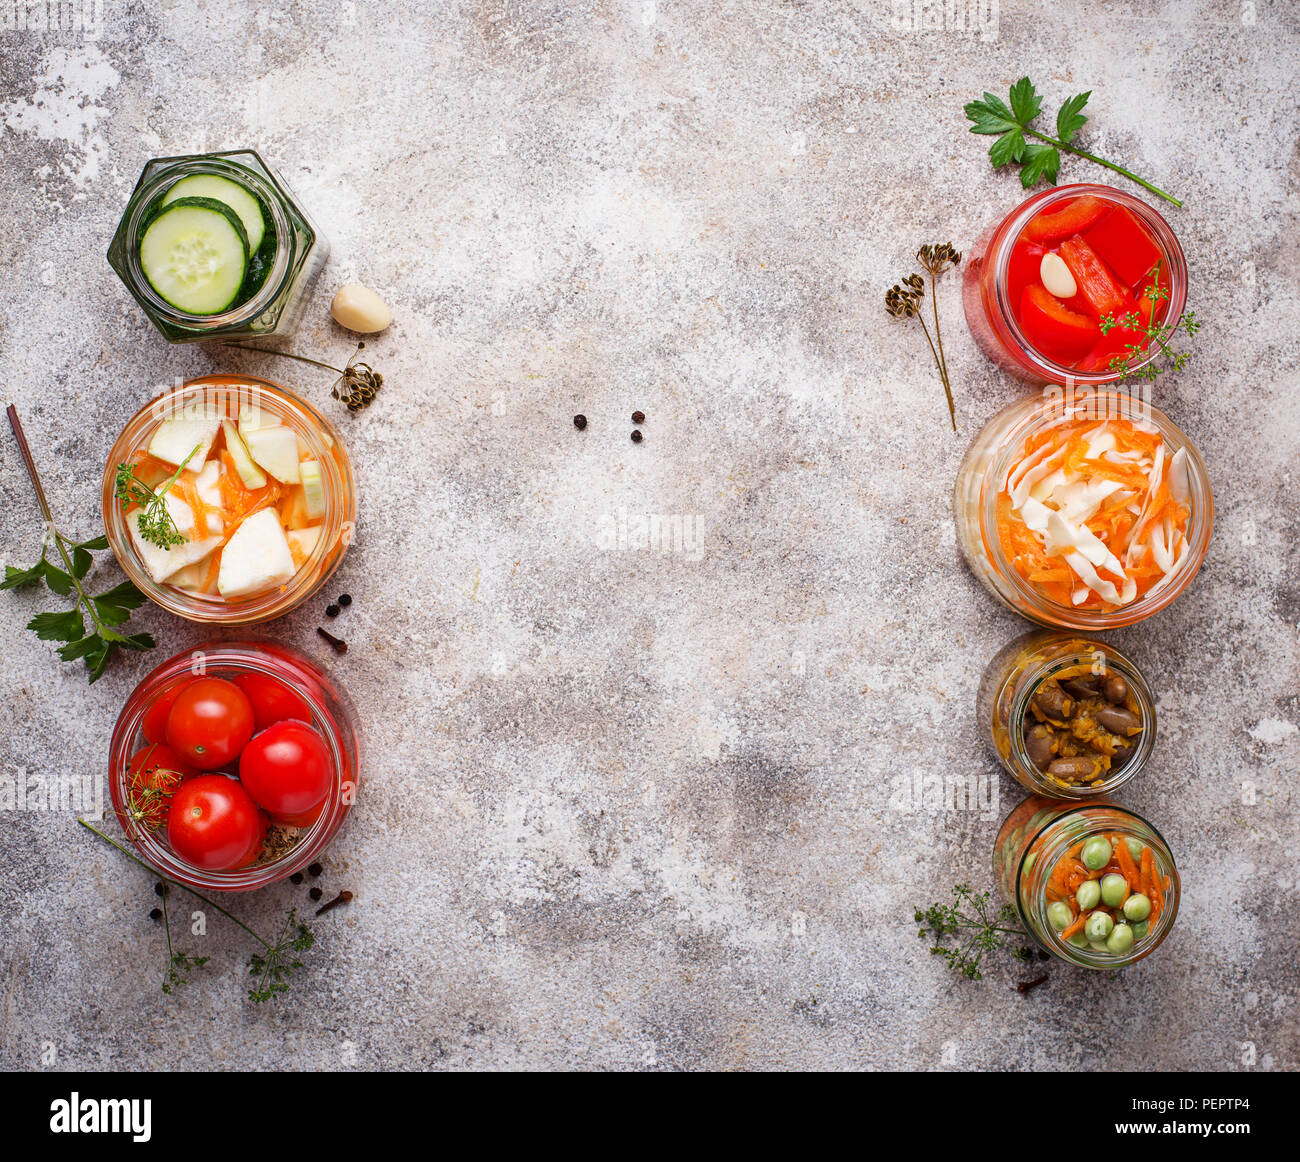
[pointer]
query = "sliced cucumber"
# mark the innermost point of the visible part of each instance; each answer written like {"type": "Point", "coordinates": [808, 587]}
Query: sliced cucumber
{"type": "Point", "coordinates": [195, 254]}
{"type": "Point", "coordinates": [209, 185]}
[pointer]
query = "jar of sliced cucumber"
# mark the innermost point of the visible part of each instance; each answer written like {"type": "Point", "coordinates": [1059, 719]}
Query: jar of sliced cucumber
{"type": "Point", "coordinates": [216, 246]}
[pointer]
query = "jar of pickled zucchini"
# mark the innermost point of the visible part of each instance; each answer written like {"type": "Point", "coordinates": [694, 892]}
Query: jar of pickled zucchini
{"type": "Point", "coordinates": [215, 246]}
{"type": "Point", "coordinates": [1070, 717]}
{"type": "Point", "coordinates": [1083, 510]}
{"type": "Point", "coordinates": [229, 500]}
{"type": "Point", "coordinates": [1093, 883]}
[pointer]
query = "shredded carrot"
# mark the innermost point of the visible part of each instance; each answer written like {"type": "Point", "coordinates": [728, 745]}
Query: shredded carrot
{"type": "Point", "coordinates": [1075, 925]}
{"type": "Point", "coordinates": [1124, 521]}
{"type": "Point", "coordinates": [1127, 867]}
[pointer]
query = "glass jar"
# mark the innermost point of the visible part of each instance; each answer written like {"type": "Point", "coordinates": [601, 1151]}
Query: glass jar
{"type": "Point", "coordinates": [289, 257]}
{"type": "Point", "coordinates": [226, 396]}
{"type": "Point", "coordinates": [1045, 689]}
{"type": "Point", "coordinates": [1041, 833]}
{"type": "Point", "coordinates": [983, 475]}
{"type": "Point", "coordinates": [986, 296]}
{"type": "Point", "coordinates": [330, 712]}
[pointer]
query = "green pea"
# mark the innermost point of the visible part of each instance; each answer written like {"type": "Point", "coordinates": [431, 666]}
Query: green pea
{"type": "Point", "coordinates": [1137, 906]}
{"type": "Point", "coordinates": [1120, 940]}
{"type": "Point", "coordinates": [1030, 860]}
{"type": "Point", "coordinates": [1058, 915]}
{"type": "Point", "coordinates": [1079, 940]}
{"type": "Point", "coordinates": [1098, 926]}
{"type": "Point", "coordinates": [1098, 945]}
{"type": "Point", "coordinates": [1140, 929]}
{"type": "Point", "coordinates": [1088, 895]}
{"type": "Point", "coordinates": [1113, 887]}
{"type": "Point", "coordinates": [1134, 847]}
{"type": "Point", "coordinates": [1096, 853]}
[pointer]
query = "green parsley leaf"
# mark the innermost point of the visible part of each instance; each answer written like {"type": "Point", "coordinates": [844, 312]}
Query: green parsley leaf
{"type": "Point", "coordinates": [58, 627]}
{"type": "Point", "coordinates": [1068, 119]}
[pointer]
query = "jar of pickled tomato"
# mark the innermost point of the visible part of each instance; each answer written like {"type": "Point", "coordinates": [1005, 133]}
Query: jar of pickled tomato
{"type": "Point", "coordinates": [146, 775]}
{"type": "Point", "coordinates": [1083, 510]}
{"type": "Point", "coordinates": [1093, 883]}
{"type": "Point", "coordinates": [1038, 285]}
{"type": "Point", "coordinates": [257, 497]}
{"type": "Point", "coordinates": [1070, 717]}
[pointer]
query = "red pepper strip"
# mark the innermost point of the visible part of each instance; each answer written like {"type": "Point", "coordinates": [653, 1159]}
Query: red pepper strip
{"type": "Point", "coordinates": [1053, 328]}
{"type": "Point", "coordinates": [1103, 293]}
{"type": "Point", "coordinates": [1072, 217]}
{"type": "Point", "coordinates": [1123, 244]}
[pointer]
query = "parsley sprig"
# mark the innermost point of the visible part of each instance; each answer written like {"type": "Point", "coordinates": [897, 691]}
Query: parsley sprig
{"type": "Point", "coordinates": [1040, 157]}
{"type": "Point", "coordinates": [271, 968]}
{"type": "Point", "coordinates": [1159, 336]}
{"type": "Point", "coordinates": [156, 523]}
{"type": "Point", "coordinates": [968, 916]}
{"type": "Point", "coordinates": [97, 642]}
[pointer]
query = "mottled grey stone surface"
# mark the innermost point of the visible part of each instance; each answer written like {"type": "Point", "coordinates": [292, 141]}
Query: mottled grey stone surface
{"type": "Point", "coordinates": [624, 809]}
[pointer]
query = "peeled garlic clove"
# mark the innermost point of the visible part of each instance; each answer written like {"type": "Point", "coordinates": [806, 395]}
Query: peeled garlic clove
{"type": "Point", "coordinates": [360, 309]}
{"type": "Point", "coordinates": [1056, 277]}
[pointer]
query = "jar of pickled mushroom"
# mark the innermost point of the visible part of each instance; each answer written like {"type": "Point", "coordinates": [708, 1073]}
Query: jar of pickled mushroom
{"type": "Point", "coordinates": [1070, 717]}
{"type": "Point", "coordinates": [1083, 510]}
{"type": "Point", "coordinates": [1093, 883]}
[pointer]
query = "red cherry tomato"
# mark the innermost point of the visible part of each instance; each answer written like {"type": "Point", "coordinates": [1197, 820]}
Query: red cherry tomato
{"type": "Point", "coordinates": [286, 769]}
{"type": "Point", "coordinates": [214, 824]}
{"type": "Point", "coordinates": [1053, 328]}
{"type": "Point", "coordinates": [154, 726]}
{"type": "Point", "coordinates": [272, 700]}
{"type": "Point", "coordinates": [1072, 217]}
{"type": "Point", "coordinates": [153, 776]}
{"type": "Point", "coordinates": [307, 818]}
{"type": "Point", "coordinates": [210, 722]}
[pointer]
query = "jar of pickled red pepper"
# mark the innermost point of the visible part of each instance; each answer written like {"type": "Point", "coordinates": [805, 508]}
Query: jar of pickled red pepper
{"type": "Point", "coordinates": [1093, 883]}
{"type": "Point", "coordinates": [1070, 717]}
{"type": "Point", "coordinates": [1083, 510]}
{"type": "Point", "coordinates": [1037, 286]}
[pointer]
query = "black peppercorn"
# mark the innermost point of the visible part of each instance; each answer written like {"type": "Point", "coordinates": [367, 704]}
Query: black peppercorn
{"type": "Point", "coordinates": [296, 878]}
{"type": "Point", "coordinates": [331, 611]}
{"type": "Point", "coordinates": [638, 417]}
{"type": "Point", "coordinates": [315, 870]}
{"type": "Point", "coordinates": [345, 599]}
{"type": "Point", "coordinates": [156, 914]}
{"type": "Point", "coordinates": [159, 889]}
{"type": "Point", "coordinates": [579, 421]}
{"type": "Point", "coordinates": [636, 437]}
{"type": "Point", "coordinates": [316, 893]}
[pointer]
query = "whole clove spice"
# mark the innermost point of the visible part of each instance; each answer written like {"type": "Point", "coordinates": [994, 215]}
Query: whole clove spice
{"type": "Point", "coordinates": [341, 898]}
{"type": "Point", "coordinates": [337, 644]}
{"type": "Point", "coordinates": [1027, 986]}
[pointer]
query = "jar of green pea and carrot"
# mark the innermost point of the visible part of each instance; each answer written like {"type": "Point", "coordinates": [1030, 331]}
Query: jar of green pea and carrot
{"type": "Point", "coordinates": [1094, 883]}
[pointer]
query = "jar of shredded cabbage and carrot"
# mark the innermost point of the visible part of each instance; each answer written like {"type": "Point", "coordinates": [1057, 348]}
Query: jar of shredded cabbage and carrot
{"type": "Point", "coordinates": [1069, 716]}
{"type": "Point", "coordinates": [1093, 883]}
{"type": "Point", "coordinates": [1083, 509]}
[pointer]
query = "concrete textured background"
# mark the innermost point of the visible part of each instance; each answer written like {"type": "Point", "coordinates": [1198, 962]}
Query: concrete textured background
{"type": "Point", "coordinates": [625, 809]}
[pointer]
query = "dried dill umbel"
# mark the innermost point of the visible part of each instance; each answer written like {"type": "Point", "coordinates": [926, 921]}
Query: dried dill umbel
{"type": "Point", "coordinates": [357, 383]}
{"type": "Point", "coordinates": [903, 301]}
